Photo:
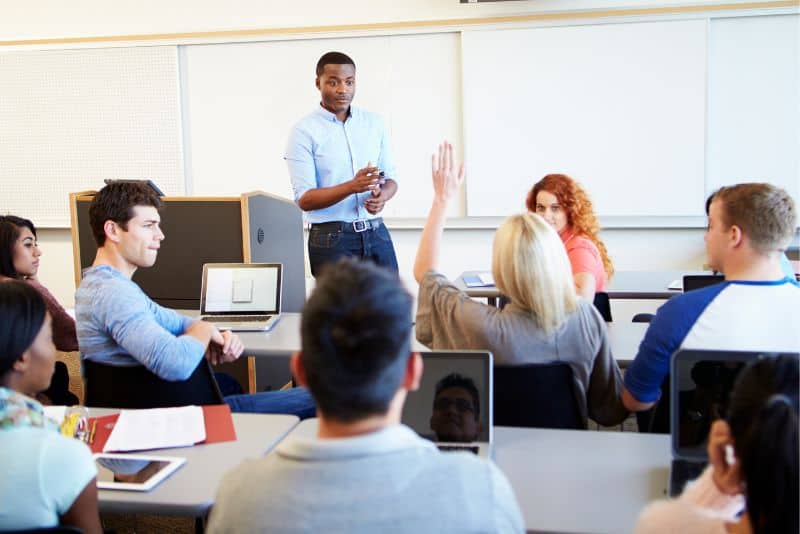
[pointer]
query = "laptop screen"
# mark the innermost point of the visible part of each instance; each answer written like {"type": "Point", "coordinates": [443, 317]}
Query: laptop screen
{"type": "Point", "coordinates": [701, 384]}
{"type": "Point", "coordinates": [699, 281]}
{"type": "Point", "coordinates": [454, 400]}
{"type": "Point", "coordinates": [241, 288]}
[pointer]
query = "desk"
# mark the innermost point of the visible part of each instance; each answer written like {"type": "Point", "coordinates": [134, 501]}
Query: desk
{"type": "Point", "coordinates": [284, 339]}
{"type": "Point", "coordinates": [190, 491]}
{"type": "Point", "coordinates": [582, 481]}
{"type": "Point", "coordinates": [575, 480]}
{"type": "Point", "coordinates": [624, 285]}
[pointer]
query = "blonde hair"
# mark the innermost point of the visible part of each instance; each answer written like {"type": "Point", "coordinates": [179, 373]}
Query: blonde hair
{"type": "Point", "coordinates": [530, 266]}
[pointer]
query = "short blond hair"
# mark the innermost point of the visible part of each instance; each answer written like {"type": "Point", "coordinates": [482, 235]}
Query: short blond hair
{"type": "Point", "coordinates": [530, 266]}
{"type": "Point", "coordinates": [765, 213]}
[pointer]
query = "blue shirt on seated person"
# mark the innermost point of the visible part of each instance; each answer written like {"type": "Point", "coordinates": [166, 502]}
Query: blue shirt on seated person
{"type": "Point", "coordinates": [117, 324]}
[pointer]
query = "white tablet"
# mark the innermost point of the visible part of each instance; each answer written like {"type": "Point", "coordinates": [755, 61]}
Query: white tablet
{"type": "Point", "coordinates": [133, 472]}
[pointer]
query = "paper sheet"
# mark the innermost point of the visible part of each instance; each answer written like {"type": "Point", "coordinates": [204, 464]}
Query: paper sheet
{"type": "Point", "coordinates": [158, 428]}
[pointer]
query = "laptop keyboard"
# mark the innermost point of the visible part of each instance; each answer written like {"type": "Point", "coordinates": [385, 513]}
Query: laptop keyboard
{"type": "Point", "coordinates": [236, 318]}
{"type": "Point", "coordinates": [683, 471]}
{"type": "Point", "coordinates": [455, 448]}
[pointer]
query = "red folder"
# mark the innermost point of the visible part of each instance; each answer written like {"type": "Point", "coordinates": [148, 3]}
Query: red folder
{"type": "Point", "coordinates": [217, 418]}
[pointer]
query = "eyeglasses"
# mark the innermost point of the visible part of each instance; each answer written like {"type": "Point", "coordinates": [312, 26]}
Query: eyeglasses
{"type": "Point", "coordinates": [461, 405]}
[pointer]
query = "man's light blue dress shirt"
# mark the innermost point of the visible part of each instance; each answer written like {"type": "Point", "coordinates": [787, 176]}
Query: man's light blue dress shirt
{"type": "Point", "coordinates": [323, 151]}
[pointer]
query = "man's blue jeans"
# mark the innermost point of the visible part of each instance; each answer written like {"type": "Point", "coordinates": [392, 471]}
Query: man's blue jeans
{"type": "Point", "coordinates": [294, 401]}
{"type": "Point", "coordinates": [327, 242]}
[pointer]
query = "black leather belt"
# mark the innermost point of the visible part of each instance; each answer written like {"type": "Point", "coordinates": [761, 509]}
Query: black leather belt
{"type": "Point", "coordinates": [354, 226]}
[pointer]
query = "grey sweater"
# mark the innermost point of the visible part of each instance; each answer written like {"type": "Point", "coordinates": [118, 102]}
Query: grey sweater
{"type": "Point", "coordinates": [448, 318]}
{"type": "Point", "coordinates": [388, 481]}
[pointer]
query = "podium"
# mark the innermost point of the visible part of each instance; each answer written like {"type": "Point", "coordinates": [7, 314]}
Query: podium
{"type": "Point", "coordinates": [254, 228]}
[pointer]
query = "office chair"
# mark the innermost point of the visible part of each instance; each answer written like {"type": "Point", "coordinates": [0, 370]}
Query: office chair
{"type": "Point", "coordinates": [656, 420]}
{"type": "Point", "coordinates": [603, 305]}
{"type": "Point", "coordinates": [540, 395]}
{"type": "Point", "coordinates": [110, 386]}
{"type": "Point", "coordinates": [642, 318]}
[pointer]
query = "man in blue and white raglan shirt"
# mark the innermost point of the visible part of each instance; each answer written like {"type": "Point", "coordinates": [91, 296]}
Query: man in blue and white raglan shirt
{"type": "Point", "coordinates": [756, 308]}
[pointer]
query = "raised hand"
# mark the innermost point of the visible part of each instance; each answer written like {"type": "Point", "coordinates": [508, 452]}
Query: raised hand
{"type": "Point", "coordinates": [446, 178]}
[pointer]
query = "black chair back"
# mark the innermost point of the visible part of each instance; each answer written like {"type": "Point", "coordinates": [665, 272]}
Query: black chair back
{"type": "Point", "coordinates": [110, 386]}
{"type": "Point", "coordinates": [603, 305]}
{"type": "Point", "coordinates": [538, 395]}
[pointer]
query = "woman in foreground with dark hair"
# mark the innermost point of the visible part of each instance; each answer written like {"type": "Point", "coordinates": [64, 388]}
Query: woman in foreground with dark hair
{"type": "Point", "coordinates": [48, 479]}
{"type": "Point", "coordinates": [753, 458]}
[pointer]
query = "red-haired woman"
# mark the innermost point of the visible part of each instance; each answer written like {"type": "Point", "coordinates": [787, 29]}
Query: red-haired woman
{"type": "Point", "coordinates": [566, 206]}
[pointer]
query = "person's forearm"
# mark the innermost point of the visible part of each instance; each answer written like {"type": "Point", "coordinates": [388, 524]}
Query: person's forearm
{"type": "Point", "coordinates": [323, 197]}
{"type": "Point", "coordinates": [431, 240]}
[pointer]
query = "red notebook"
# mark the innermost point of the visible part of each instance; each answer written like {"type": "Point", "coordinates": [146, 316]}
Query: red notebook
{"type": "Point", "coordinates": [218, 421]}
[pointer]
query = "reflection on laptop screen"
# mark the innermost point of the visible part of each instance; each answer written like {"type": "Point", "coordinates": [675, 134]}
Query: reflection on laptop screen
{"type": "Point", "coordinates": [241, 289]}
{"type": "Point", "coordinates": [453, 403]}
{"type": "Point", "coordinates": [703, 396]}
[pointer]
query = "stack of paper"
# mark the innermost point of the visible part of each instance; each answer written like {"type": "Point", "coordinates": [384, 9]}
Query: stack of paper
{"type": "Point", "coordinates": [158, 428]}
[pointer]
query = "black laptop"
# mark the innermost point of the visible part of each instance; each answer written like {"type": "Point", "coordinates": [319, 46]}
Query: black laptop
{"type": "Point", "coordinates": [700, 385]}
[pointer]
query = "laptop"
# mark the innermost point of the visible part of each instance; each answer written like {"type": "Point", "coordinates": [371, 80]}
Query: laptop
{"type": "Point", "coordinates": [243, 297]}
{"type": "Point", "coordinates": [459, 417]}
{"type": "Point", "coordinates": [700, 385]}
{"type": "Point", "coordinates": [699, 281]}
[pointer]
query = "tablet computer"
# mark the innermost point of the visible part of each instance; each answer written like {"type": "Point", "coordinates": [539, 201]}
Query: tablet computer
{"type": "Point", "coordinates": [133, 472]}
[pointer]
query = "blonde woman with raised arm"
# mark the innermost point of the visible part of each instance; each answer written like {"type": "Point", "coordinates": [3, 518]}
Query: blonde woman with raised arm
{"type": "Point", "coordinates": [545, 320]}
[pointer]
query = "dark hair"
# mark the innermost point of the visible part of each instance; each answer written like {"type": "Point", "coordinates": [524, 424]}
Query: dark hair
{"type": "Point", "coordinates": [10, 226]}
{"type": "Point", "coordinates": [455, 380]}
{"type": "Point", "coordinates": [115, 202]}
{"type": "Point", "coordinates": [765, 213]}
{"type": "Point", "coordinates": [333, 58]}
{"type": "Point", "coordinates": [356, 335]}
{"type": "Point", "coordinates": [23, 311]}
{"type": "Point", "coordinates": [763, 420]}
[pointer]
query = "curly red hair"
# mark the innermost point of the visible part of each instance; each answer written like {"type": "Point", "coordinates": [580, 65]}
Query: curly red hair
{"type": "Point", "coordinates": [576, 203]}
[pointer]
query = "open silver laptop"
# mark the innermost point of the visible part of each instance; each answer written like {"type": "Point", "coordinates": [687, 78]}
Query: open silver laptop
{"type": "Point", "coordinates": [244, 297]}
{"type": "Point", "coordinates": [453, 406]}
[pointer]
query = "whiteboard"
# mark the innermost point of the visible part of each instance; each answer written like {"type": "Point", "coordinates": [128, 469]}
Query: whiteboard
{"type": "Point", "coordinates": [619, 107]}
{"type": "Point", "coordinates": [242, 99]}
{"type": "Point", "coordinates": [754, 102]}
{"type": "Point", "coordinates": [71, 118]}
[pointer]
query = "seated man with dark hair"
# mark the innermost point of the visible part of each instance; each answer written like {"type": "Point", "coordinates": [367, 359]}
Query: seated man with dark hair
{"type": "Point", "coordinates": [119, 325]}
{"type": "Point", "coordinates": [364, 471]}
{"type": "Point", "coordinates": [456, 409]}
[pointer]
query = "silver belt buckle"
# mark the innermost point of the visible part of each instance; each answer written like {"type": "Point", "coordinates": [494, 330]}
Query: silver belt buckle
{"type": "Point", "coordinates": [360, 226]}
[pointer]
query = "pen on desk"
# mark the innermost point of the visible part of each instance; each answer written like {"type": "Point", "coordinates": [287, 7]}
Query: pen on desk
{"type": "Point", "coordinates": [91, 434]}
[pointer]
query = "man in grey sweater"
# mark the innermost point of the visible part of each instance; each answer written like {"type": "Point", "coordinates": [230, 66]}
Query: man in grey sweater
{"type": "Point", "coordinates": [364, 471]}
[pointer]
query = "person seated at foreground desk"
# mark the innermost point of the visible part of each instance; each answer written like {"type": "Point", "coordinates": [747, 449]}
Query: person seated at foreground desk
{"type": "Point", "coordinates": [119, 325]}
{"type": "Point", "coordinates": [48, 479]}
{"type": "Point", "coordinates": [756, 308]}
{"type": "Point", "coordinates": [364, 472]}
{"type": "Point", "coordinates": [545, 320]}
{"type": "Point", "coordinates": [456, 410]}
{"type": "Point", "coordinates": [563, 203]}
{"type": "Point", "coordinates": [762, 473]}
{"type": "Point", "coordinates": [19, 260]}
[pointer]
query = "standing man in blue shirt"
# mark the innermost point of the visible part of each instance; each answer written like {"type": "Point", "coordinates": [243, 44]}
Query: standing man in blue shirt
{"type": "Point", "coordinates": [342, 171]}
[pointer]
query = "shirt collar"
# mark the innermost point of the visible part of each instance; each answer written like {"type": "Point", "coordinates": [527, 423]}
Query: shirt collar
{"type": "Point", "coordinates": [328, 116]}
{"type": "Point", "coordinates": [391, 439]}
